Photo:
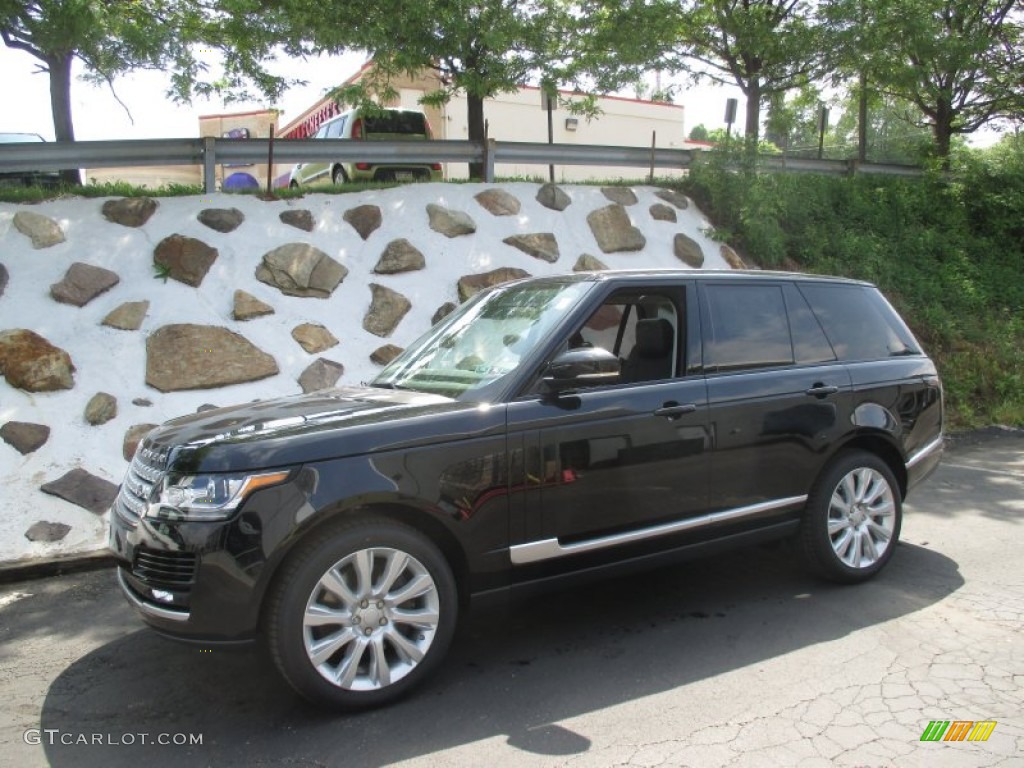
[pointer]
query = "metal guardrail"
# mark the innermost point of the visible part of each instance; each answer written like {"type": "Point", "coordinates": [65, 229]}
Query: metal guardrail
{"type": "Point", "coordinates": [210, 152]}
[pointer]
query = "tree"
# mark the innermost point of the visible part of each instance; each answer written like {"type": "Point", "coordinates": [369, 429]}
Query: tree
{"type": "Point", "coordinates": [476, 47]}
{"type": "Point", "coordinates": [959, 62]}
{"type": "Point", "coordinates": [891, 129]}
{"type": "Point", "coordinates": [112, 37]}
{"type": "Point", "coordinates": [763, 46]}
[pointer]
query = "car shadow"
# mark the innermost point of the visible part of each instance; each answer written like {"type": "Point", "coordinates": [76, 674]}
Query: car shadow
{"type": "Point", "coordinates": [513, 673]}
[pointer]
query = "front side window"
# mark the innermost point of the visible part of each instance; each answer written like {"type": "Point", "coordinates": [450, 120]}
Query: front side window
{"type": "Point", "coordinates": [470, 352]}
{"type": "Point", "coordinates": [748, 328]}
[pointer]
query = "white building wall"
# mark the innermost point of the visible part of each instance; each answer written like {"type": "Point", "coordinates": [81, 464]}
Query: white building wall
{"type": "Point", "coordinates": [518, 117]}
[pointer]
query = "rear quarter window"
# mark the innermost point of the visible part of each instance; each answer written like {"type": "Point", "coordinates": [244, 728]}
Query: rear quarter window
{"type": "Point", "coordinates": [859, 322]}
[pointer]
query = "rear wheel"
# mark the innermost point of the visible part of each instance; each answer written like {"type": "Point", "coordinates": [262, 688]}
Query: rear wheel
{"type": "Point", "coordinates": [362, 613]}
{"type": "Point", "coordinates": [853, 517]}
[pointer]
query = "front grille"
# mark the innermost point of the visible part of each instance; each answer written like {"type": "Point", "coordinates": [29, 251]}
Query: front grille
{"type": "Point", "coordinates": [171, 570]}
{"type": "Point", "coordinates": [144, 472]}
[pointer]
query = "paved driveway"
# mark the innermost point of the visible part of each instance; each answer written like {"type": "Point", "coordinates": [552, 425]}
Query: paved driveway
{"type": "Point", "coordinates": [738, 661]}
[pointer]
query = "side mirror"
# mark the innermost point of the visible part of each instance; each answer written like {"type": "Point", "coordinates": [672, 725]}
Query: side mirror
{"type": "Point", "coordinates": [583, 367]}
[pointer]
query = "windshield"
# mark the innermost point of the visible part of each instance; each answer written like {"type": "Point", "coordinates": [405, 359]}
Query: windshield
{"type": "Point", "coordinates": [483, 341]}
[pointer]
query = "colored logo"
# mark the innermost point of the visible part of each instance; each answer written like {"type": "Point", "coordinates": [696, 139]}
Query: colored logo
{"type": "Point", "coordinates": [958, 730]}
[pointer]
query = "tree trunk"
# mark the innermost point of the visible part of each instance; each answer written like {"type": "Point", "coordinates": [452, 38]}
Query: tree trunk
{"type": "Point", "coordinates": [862, 119]}
{"type": "Point", "coordinates": [475, 120]}
{"type": "Point", "coordinates": [943, 131]}
{"type": "Point", "coordinates": [59, 66]}
{"type": "Point", "coordinates": [752, 128]}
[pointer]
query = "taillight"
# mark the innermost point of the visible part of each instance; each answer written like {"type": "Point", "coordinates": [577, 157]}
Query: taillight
{"type": "Point", "coordinates": [363, 166]}
{"type": "Point", "coordinates": [357, 129]}
{"type": "Point", "coordinates": [436, 167]}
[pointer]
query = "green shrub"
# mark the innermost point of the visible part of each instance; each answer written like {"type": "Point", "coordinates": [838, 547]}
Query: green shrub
{"type": "Point", "coordinates": [948, 251]}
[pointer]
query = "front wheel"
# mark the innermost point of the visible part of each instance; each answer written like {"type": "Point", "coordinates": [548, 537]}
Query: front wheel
{"type": "Point", "coordinates": [852, 521]}
{"type": "Point", "coordinates": [362, 613]}
{"type": "Point", "coordinates": [338, 175]}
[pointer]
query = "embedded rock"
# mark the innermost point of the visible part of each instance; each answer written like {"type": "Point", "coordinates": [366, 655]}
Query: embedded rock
{"type": "Point", "coordinates": [47, 532]}
{"type": "Point", "coordinates": [320, 374]}
{"type": "Point", "coordinates": [588, 263]}
{"type": "Point", "coordinates": [442, 312]}
{"type": "Point", "coordinates": [541, 245]}
{"type": "Point", "coordinates": [82, 283]}
{"type": "Point", "coordinates": [128, 316]}
{"type": "Point", "coordinates": [662, 212]}
{"type": "Point", "coordinates": [551, 196]}
{"type": "Point", "coordinates": [300, 219]}
{"type": "Point", "coordinates": [101, 408]}
{"type": "Point", "coordinates": [133, 436]}
{"type": "Point", "coordinates": [365, 219]}
{"type": "Point", "coordinates": [142, 402]}
{"type": "Point", "coordinates": [185, 259]}
{"type": "Point", "coordinates": [129, 211]}
{"type": "Point", "coordinates": [400, 256]}
{"type": "Point", "coordinates": [471, 284]}
{"type": "Point", "coordinates": [385, 354]}
{"type": "Point", "coordinates": [246, 307]}
{"type": "Point", "coordinates": [190, 356]}
{"type": "Point", "coordinates": [84, 490]}
{"type": "Point", "coordinates": [4, 277]}
{"type": "Point", "coordinates": [620, 195]}
{"type": "Point", "coordinates": [448, 222]}
{"type": "Point", "coordinates": [688, 251]}
{"type": "Point", "coordinates": [299, 269]}
{"type": "Point", "coordinates": [732, 258]}
{"type": "Point", "coordinates": [498, 202]}
{"type": "Point", "coordinates": [31, 363]}
{"type": "Point", "coordinates": [678, 199]}
{"type": "Point", "coordinates": [206, 407]}
{"type": "Point", "coordinates": [613, 230]}
{"type": "Point", "coordinates": [386, 311]}
{"type": "Point", "coordinates": [41, 230]}
{"type": "Point", "coordinates": [313, 338]}
{"type": "Point", "coordinates": [25, 437]}
{"type": "Point", "coordinates": [222, 219]}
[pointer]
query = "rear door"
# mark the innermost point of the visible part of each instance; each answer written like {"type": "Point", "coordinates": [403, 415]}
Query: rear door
{"type": "Point", "coordinates": [777, 396]}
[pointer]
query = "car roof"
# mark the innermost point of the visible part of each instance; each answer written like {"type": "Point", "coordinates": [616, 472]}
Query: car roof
{"type": "Point", "coordinates": [704, 275]}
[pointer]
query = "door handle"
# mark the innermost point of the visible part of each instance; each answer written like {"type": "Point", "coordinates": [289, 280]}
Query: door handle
{"type": "Point", "coordinates": [821, 390]}
{"type": "Point", "coordinates": [673, 410]}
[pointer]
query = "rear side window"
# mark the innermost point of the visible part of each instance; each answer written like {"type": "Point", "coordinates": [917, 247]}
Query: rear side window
{"type": "Point", "coordinates": [397, 122]}
{"type": "Point", "coordinates": [859, 322]}
{"type": "Point", "coordinates": [748, 328]}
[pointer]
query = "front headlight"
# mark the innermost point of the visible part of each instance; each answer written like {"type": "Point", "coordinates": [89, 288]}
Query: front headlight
{"type": "Point", "coordinates": [208, 497]}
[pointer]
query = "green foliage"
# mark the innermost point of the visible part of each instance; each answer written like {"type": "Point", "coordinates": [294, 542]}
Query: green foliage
{"type": "Point", "coordinates": [948, 253]}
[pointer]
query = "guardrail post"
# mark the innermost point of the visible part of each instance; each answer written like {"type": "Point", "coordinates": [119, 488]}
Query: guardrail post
{"type": "Point", "coordinates": [489, 152]}
{"type": "Point", "coordinates": [209, 164]}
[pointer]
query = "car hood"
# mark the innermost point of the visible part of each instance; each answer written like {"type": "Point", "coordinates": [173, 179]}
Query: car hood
{"type": "Point", "coordinates": [322, 425]}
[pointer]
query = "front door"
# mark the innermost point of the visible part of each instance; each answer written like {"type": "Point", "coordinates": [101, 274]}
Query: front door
{"type": "Point", "coordinates": [605, 463]}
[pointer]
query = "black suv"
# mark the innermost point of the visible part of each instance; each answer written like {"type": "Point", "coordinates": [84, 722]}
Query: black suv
{"type": "Point", "coordinates": [549, 428]}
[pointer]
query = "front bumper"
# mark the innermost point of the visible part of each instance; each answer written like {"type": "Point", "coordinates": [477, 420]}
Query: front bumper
{"type": "Point", "coordinates": [201, 581]}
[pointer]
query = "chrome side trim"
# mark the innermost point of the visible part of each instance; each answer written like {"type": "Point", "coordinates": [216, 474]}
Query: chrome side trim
{"type": "Point", "coordinates": [545, 549]}
{"type": "Point", "coordinates": [933, 446]}
{"type": "Point", "coordinates": [148, 608]}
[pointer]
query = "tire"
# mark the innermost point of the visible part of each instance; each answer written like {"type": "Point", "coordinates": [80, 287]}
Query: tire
{"type": "Point", "coordinates": [338, 175]}
{"type": "Point", "coordinates": [852, 521]}
{"type": "Point", "coordinates": [361, 614]}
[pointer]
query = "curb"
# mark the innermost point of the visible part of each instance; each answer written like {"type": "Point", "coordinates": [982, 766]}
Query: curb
{"type": "Point", "coordinates": [55, 566]}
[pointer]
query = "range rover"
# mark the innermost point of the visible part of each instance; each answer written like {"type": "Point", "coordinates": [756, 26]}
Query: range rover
{"type": "Point", "coordinates": [549, 428]}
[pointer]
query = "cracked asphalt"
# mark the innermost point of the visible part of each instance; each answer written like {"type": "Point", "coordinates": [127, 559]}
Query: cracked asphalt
{"type": "Point", "coordinates": [742, 660]}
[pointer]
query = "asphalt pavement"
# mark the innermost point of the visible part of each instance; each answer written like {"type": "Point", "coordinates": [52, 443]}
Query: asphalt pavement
{"type": "Point", "coordinates": [741, 660]}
